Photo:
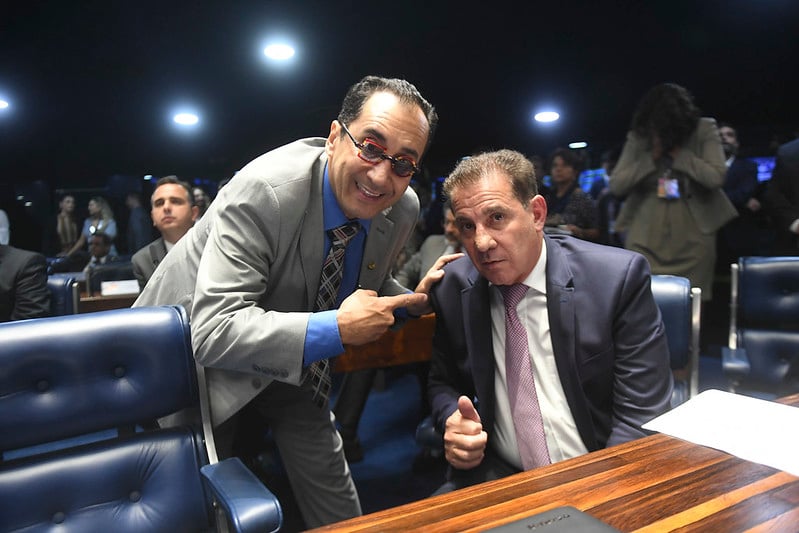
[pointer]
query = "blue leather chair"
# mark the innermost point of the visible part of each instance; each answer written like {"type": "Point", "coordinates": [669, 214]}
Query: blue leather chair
{"type": "Point", "coordinates": [680, 306]}
{"type": "Point", "coordinates": [79, 396]}
{"type": "Point", "coordinates": [762, 356]}
{"type": "Point", "coordinates": [64, 295]}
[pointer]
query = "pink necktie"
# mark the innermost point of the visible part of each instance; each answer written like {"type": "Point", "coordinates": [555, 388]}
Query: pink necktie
{"type": "Point", "coordinates": [524, 407]}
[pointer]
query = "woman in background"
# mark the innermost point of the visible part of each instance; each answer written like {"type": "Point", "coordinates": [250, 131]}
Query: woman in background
{"type": "Point", "coordinates": [670, 172]}
{"type": "Point", "coordinates": [100, 218]}
{"type": "Point", "coordinates": [66, 227]}
{"type": "Point", "coordinates": [568, 206]}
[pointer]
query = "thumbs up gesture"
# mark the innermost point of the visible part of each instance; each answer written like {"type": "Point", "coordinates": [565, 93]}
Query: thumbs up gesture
{"type": "Point", "coordinates": [464, 438]}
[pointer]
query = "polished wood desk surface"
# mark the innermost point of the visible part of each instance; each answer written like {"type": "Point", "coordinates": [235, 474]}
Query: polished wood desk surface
{"type": "Point", "coordinates": [410, 344]}
{"type": "Point", "coordinates": [96, 302]}
{"type": "Point", "coordinates": [655, 484]}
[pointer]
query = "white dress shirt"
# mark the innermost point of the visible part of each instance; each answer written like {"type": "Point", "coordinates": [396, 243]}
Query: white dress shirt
{"type": "Point", "coordinates": [563, 439]}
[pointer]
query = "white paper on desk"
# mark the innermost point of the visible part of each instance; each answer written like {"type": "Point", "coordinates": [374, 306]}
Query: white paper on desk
{"type": "Point", "coordinates": [125, 286]}
{"type": "Point", "coordinates": [750, 428]}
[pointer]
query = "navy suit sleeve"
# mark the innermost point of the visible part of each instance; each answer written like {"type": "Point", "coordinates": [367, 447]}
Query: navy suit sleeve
{"type": "Point", "coordinates": [642, 382]}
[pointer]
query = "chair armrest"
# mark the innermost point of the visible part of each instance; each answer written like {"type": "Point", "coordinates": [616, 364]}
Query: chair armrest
{"type": "Point", "coordinates": [734, 362]}
{"type": "Point", "coordinates": [248, 504]}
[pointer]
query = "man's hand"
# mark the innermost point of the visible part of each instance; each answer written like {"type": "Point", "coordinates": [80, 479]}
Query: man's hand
{"type": "Point", "coordinates": [432, 276]}
{"type": "Point", "coordinates": [364, 316]}
{"type": "Point", "coordinates": [464, 438]}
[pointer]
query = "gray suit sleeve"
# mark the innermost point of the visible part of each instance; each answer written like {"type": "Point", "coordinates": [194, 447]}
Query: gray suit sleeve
{"type": "Point", "coordinates": [231, 328]}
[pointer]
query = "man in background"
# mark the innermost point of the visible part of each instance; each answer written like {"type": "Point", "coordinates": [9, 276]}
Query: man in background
{"type": "Point", "coordinates": [750, 232]}
{"type": "Point", "coordinates": [173, 213]}
{"type": "Point", "coordinates": [782, 197]}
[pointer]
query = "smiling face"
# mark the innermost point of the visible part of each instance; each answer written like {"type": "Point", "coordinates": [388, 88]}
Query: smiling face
{"type": "Point", "coordinates": [502, 237]}
{"type": "Point", "coordinates": [362, 189]}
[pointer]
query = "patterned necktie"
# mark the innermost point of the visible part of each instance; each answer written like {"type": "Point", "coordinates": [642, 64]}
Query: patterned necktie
{"type": "Point", "coordinates": [317, 374]}
{"type": "Point", "coordinates": [527, 420]}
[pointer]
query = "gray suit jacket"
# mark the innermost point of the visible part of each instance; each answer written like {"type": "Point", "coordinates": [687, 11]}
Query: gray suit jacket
{"type": "Point", "coordinates": [249, 269]}
{"type": "Point", "coordinates": [417, 266]}
{"type": "Point", "coordinates": [607, 336]}
{"type": "Point", "coordinates": [147, 259]}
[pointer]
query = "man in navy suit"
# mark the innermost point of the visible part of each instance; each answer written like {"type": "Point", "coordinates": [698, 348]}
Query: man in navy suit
{"type": "Point", "coordinates": [782, 197]}
{"type": "Point", "coordinates": [596, 340]}
{"type": "Point", "coordinates": [749, 233]}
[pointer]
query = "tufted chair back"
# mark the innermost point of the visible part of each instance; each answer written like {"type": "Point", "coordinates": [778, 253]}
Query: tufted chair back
{"type": "Point", "coordinates": [79, 397]}
{"type": "Point", "coordinates": [762, 356]}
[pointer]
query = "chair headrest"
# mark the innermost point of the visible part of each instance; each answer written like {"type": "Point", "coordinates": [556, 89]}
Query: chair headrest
{"type": "Point", "coordinates": [65, 376]}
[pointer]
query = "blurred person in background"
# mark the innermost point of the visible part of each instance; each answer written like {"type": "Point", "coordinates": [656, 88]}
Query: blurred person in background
{"type": "Point", "coordinates": [671, 172]}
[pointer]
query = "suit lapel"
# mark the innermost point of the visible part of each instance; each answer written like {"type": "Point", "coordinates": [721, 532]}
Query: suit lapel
{"type": "Point", "coordinates": [477, 327]}
{"type": "Point", "coordinates": [374, 264]}
{"type": "Point", "coordinates": [312, 234]}
{"type": "Point", "coordinates": [561, 310]}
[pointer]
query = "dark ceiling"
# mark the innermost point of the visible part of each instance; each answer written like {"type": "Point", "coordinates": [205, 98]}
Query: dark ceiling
{"type": "Point", "coordinates": [92, 83]}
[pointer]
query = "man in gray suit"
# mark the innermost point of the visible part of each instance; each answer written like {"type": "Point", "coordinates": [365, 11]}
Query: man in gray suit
{"type": "Point", "coordinates": [249, 271]}
{"type": "Point", "coordinates": [173, 213]}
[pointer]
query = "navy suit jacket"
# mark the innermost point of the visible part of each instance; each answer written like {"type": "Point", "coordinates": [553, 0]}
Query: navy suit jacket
{"type": "Point", "coordinates": [607, 336]}
{"type": "Point", "coordinates": [782, 196]}
{"type": "Point", "coordinates": [741, 182]}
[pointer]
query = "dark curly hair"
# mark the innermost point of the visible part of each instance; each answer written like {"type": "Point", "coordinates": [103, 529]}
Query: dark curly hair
{"type": "Point", "coordinates": [667, 110]}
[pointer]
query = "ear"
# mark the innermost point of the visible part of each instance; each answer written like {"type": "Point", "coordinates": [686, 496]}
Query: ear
{"type": "Point", "coordinates": [332, 137]}
{"type": "Point", "coordinates": [538, 206]}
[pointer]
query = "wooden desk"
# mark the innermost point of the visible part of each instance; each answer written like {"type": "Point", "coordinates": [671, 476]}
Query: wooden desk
{"type": "Point", "coordinates": [90, 304]}
{"type": "Point", "coordinates": [654, 484]}
{"type": "Point", "coordinates": [410, 344]}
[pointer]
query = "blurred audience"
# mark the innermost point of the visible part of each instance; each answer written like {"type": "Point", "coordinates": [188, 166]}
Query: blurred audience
{"type": "Point", "coordinates": [173, 213]}
{"type": "Point", "coordinates": [782, 198]}
{"type": "Point", "coordinates": [607, 204]}
{"type": "Point", "coordinates": [23, 284]}
{"type": "Point", "coordinates": [670, 173]}
{"type": "Point", "coordinates": [140, 227]}
{"type": "Point", "coordinates": [569, 207]}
